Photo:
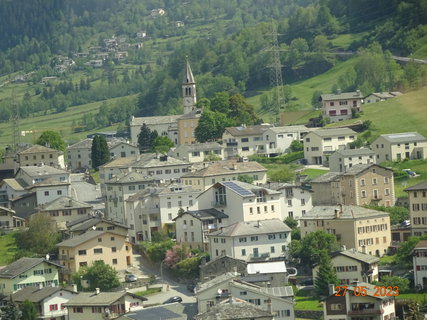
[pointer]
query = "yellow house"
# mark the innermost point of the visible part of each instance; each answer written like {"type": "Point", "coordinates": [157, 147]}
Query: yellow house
{"type": "Point", "coordinates": [28, 272]}
{"type": "Point", "coordinates": [83, 250]}
{"type": "Point", "coordinates": [187, 124]}
{"type": "Point", "coordinates": [36, 155]}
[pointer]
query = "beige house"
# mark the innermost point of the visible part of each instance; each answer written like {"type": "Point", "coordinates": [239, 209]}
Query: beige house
{"type": "Point", "coordinates": [197, 152]}
{"type": "Point", "coordinates": [366, 230]}
{"type": "Point", "coordinates": [36, 272]}
{"type": "Point", "coordinates": [242, 201]}
{"type": "Point", "coordinates": [8, 219]}
{"type": "Point", "coordinates": [340, 106]}
{"type": "Point", "coordinates": [418, 208]}
{"type": "Point", "coordinates": [79, 155]}
{"type": "Point", "coordinates": [187, 124]}
{"type": "Point", "coordinates": [362, 184]}
{"type": "Point", "coordinates": [85, 249]}
{"type": "Point", "coordinates": [279, 300]}
{"type": "Point", "coordinates": [419, 258]}
{"type": "Point", "coordinates": [64, 210]}
{"type": "Point", "coordinates": [399, 146]}
{"type": "Point", "coordinates": [39, 155]}
{"type": "Point", "coordinates": [122, 149]}
{"type": "Point", "coordinates": [353, 306]}
{"type": "Point", "coordinates": [320, 144]}
{"type": "Point", "coordinates": [343, 159]}
{"type": "Point", "coordinates": [88, 223]}
{"type": "Point", "coordinates": [351, 265]}
{"type": "Point", "coordinates": [244, 140]}
{"type": "Point", "coordinates": [103, 305]}
{"type": "Point", "coordinates": [227, 170]}
{"type": "Point", "coordinates": [380, 96]}
{"type": "Point", "coordinates": [193, 227]}
{"type": "Point", "coordinates": [164, 125]}
{"type": "Point", "coordinates": [251, 241]}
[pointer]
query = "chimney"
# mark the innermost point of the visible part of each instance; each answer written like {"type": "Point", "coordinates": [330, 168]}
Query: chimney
{"type": "Point", "coordinates": [364, 249]}
{"type": "Point", "coordinates": [75, 288]}
{"type": "Point", "coordinates": [337, 213]}
{"type": "Point", "coordinates": [40, 286]}
{"type": "Point", "coordinates": [331, 288]}
{"type": "Point", "coordinates": [97, 291]}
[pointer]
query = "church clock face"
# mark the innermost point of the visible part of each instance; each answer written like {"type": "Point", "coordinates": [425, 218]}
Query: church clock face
{"type": "Point", "coordinates": [188, 100]}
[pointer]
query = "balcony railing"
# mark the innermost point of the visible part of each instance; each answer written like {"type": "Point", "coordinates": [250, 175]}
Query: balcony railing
{"type": "Point", "coordinates": [231, 144]}
{"type": "Point", "coordinates": [261, 256]}
{"type": "Point", "coordinates": [218, 204]}
{"type": "Point", "coordinates": [365, 312]}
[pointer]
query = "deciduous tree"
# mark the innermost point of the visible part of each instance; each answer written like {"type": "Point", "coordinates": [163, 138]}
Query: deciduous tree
{"type": "Point", "coordinates": [326, 275]}
{"type": "Point", "coordinates": [51, 139]}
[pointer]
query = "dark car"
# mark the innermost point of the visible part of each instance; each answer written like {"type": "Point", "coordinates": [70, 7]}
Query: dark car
{"type": "Point", "coordinates": [191, 286]}
{"type": "Point", "coordinates": [173, 299]}
{"type": "Point", "coordinates": [130, 278]}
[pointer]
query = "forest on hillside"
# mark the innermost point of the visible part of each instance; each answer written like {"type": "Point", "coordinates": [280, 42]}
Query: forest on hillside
{"type": "Point", "coordinates": [231, 56]}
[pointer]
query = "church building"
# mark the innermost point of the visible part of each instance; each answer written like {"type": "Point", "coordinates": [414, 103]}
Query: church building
{"type": "Point", "coordinates": [179, 128]}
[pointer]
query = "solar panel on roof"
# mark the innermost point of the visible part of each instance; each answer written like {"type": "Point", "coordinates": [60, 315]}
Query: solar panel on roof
{"type": "Point", "coordinates": [237, 188]}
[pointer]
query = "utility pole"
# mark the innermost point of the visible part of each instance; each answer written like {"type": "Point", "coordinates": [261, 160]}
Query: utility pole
{"type": "Point", "coordinates": [276, 79]}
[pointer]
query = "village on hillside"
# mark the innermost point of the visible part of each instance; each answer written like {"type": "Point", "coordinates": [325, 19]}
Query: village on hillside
{"type": "Point", "coordinates": [207, 230]}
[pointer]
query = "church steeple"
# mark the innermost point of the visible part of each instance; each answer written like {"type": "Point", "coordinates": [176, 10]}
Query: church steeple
{"type": "Point", "coordinates": [188, 89]}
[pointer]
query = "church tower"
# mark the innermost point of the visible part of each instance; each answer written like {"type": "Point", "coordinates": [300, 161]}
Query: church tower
{"type": "Point", "coordinates": [189, 89]}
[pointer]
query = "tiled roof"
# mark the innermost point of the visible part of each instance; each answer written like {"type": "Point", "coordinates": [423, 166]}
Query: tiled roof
{"type": "Point", "coordinates": [206, 214]}
{"type": "Point", "coordinates": [100, 299]}
{"type": "Point", "coordinates": [248, 131]}
{"type": "Point", "coordinates": [404, 137]}
{"type": "Point", "coordinates": [63, 203]}
{"type": "Point", "coordinates": [171, 311]}
{"type": "Point", "coordinates": [359, 168]}
{"type": "Point", "coordinates": [193, 114]}
{"type": "Point", "coordinates": [332, 132]}
{"type": "Point", "coordinates": [247, 228]}
{"type": "Point", "coordinates": [421, 245]}
{"type": "Point", "coordinates": [14, 184]}
{"type": "Point", "coordinates": [348, 212]}
{"type": "Point", "coordinates": [38, 149]}
{"type": "Point", "coordinates": [78, 240]}
{"type": "Point", "coordinates": [83, 144]}
{"type": "Point", "coordinates": [354, 254]}
{"type": "Point", "coordinates": [88, 224]}
{"type": "Point", "coordinates": [207, 146]}
{"type": "Point", "coordinates": [129, 177]}
{"type": "Point", "coordinates": [35, 294]}
{"type": "Point", "coordinates": [226, 167]}
{"type": "Point", "coordinates": [342, 96]}
{"type": "Point", "coordinates": [48, 182]}
{"type": "Point", "coordinates": [327, 177]}
{"type": "Point", "coordinates": [418, 186]}
{"type": "Point", "coordinates": [139, 121]}
{"type": "Point", "coordinates": [217, 280]}
{"type": "Point", "coordinates": [295, 128]}
{"type": "Point", "coordinates": [34, 171]}
{"type": "Point", "coordinates": [355, 152]}
{"type": "Point", "coordinates": [22, 265]}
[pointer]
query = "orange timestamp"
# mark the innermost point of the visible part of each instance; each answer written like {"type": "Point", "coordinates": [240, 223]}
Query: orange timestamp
{"type": "Point", "coordinates": [379, 291]}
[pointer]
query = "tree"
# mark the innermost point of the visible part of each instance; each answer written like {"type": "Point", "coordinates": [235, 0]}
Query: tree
{"type": "Point", "coordinates": [395, 281]}
{"type": "Point", "coordinates": [291, 222]}
{"type": "Point", "coordinates": [51, 139]}
{"type": "Point", "coordinates": [29, 311]}
{"type": "Point", "coordinates": [100, 154]}
{"type": "Point", "coordinates": [156, 251]}
{"type": "Point", "coordinates": [285, 174]}
{"type": "Point", "coordinates": [326, 275]}
{"type": "Point", "coordinates": [309, 249]}
{"type": "Point", "coordinates": [296, 146]}
{"type": "Point", "coordinates": [163, 144]}
{"type": "Point", "coordinates": [99, 275]}
{"type": "Point", "coordinates": [11, 311]}
{"type": "Point", "coordinates": [245, 178]}
{"type": "Point", "coordinates": [144, 139]}
{"type": "Point", "coordinates": [211, 125]}
{"type": "Point", "coordinates": [404, 252]}
{"type": "Point", "coordinates": [41, 235]}
{"type": "Point", "coordinates": [241, 111]}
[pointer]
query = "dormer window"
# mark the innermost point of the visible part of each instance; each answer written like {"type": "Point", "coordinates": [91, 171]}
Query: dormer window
{"type": "Point", "coordinates": [261, 196]}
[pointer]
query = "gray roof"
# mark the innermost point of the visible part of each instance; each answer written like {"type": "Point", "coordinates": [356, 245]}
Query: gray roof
{"type": "Point", "coordinates": [83, 144]}
{"type": "Point", "coordinates": [188, 77]}
{"type": "Point", "coordinates": [359, 168]}
{"type": "Point", "coordinates": [78, 240]}
{"type": "Point", "coordinates": [129, 177]}
{"type": "Point", "coordinates": [404, 137]}
{"type": "Point", "coordinates": [159, 161]}
{"type": "Point", "coordinates": [63, 203]}
{"type": "Point", "coordinates": [245, 189]}
{"type": "Point", "coordinates": [124, 162]}
{"type": "Point", "coordinates": [226, 167]}
{"type": "Point", "coordinates": [193, 114]}
{"type": "Point", "coordinates": [205, 214]}
{"type": "Point", "coordinates": [418, 186]}
{"type": "Point", "coordinates": [355, 152]}
{"type": "Point", "coordinates": [33, 171]}
{"type": "Point", "coordinates": [101, 299]}
{"type": "Point", "coordinates": [171, 311]}
{"type": "Point", "coordinates": [87, 224]}
{"type": "Point", "coordinates": [385, 95]}
{"type": "Point", "coordinates": [38, 149]}
{"type": "Point", "coordinates": [279, 292]}
{"type": "Point", "coordinates": [295, 128]}
{"type": "Point", "coordinates": [363, 257]}
{"type": "Point", "coordinates": [327, 177]}
{"type": "Point", "coordinates": [207, 146]}
{"type": "Point", "coordinates": [249, 130]}
{"type": "Point", "coordinates": [342, 96]}
{"type": "Point", "coordinates": [14, 184]}
{"type": "Point", "coordinates": [247, 228]}
{"type": "Point", "coordinates": [139, 121]}
{"type": "Point", "coordinates": [348, 212]}
{"type": "Point", "coordinates": [35, 294]}
{"type": "Point", "coordinates": [234, 310]}
{"type": "Point", "coordinates": [217, 280]}
{"type": "Point", "coordinates": [48, 182]}
{"type": "Point", "coordinates": [370, 290]}
{"type": "Point", "coordinates": [22, 265]}
{"type": "Point", "coordinates": [332, 132]}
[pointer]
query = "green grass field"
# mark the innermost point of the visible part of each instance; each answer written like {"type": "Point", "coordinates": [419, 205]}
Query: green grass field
{"type": "Point", "coordinates": [7, 249]}
{"type": "Point", "coordinates": [307, 303]}
{"type": "Point", "coordinates": [148, 292]}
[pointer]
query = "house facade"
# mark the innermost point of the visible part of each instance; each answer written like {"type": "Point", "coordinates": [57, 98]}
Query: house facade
{"type": "Point", "coordinates": [122, 149]}
{"type": "Point", "coordinates": [399, 146]}
{"type": "Point", "coordinates": [187, 125]}
{"type": "Point", "coordinates": [8, 219]}
{"type": "Point", "coordinates": [277, 140]}
{"type": "Point", "coordinates": [24, 272]}
{"type": "Point", "coordinates": [418, 208]}
{"type": "Point", "coordinates": [91, 246]}
{"type": "Point", "coordinates": [343, 159]}
{"type": "Point", "coordinates": [353, 266]}
{"type": "Point", "coordinates": [366, 230]}
{"type": "Point", "coordinates": [321, 143]}
{"type": "Point", "coordinates": [341, 106]}
{"type": "Point", "coordinates": [253, 240]}
{"type": "Point", "coordinates": [227, 170]}
{"type": "Point", "coordinates": [197, 152]}
{"type": "Point", "coordinates": [39, 155]}
{"type": "Point", "coordinates": [295, 199]}
{"type": "Point", "coordinates": [79, 155]}
{"type": "Point", "coordinates": [419, 258]}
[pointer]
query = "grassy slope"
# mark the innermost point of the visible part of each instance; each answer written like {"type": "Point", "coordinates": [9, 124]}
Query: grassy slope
{"type": "Point", "coordinates": [7, 248]}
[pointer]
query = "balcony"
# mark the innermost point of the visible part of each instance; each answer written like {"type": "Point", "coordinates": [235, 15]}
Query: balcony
{"type": "Point", "coordinates": [231, 144]}
{"type": "Point", "coordinates": [262, 256]}
{"type": "Point", "coordinates": [219, 204]}
{"type": "Point", "coordinates": [365, 312]}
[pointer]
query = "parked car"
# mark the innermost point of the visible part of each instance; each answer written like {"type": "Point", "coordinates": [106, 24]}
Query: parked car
{"type": "Point", "coordinates": [130, 278]}
{"type": "Point", "coordinates": [410, 172]}
{"type": "Point", "coordinates": [173, 299]}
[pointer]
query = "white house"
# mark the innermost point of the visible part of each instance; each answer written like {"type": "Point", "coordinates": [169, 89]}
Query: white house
{"type": "Point", "coordinates": [277, 140]}
{"type": "Point", "coordinates": [380, 96]}
{"type": "Point", "coordinates": [419, 258]}
{"type": "Point", "coordinates": [242, 201]}
{"type": "Point", "coordinates": [251, 240]}
{"type": "Point", "coordinates": [320, 144]}
{"type": "Point", "coordinates": [343, 159]}
{"type": "Point", "coordinates": [197, 152]}
{"type": "Point", "coordinates": [122, 149]}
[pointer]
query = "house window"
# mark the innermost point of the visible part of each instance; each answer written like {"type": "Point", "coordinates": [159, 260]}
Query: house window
{"type": "Point", "coordinates": [112, 238]}
{"type": "Point", "coordinates": [271, 249]}
{"type": "Point", "coordinates": [99, 239]}
{"type": "Point", "coordinates": [46, 193]}
{"type": "Point", "coordinates": [82, 252]}
{"type": "Point", "coordinates": [83, 264]}
{"type": "Point", "coordinates": [254, 238]}
{"type": "Point", "coordinates": [114, 261]}
{"type": "Point", "coordinates": [243, 252]}
{"type": "Point", "coordinates": [59, 192]}
{"type": "Point", "coordinates": [53, 307]}
{"type": "Point", "coordinates": [78, 309]}
{"type": "Point", "coordinates": [97, 250]}
{"type": "Point", "coordinates": [113, 249]}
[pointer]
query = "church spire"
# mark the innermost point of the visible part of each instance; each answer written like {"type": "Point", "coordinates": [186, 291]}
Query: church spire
{"type": "Point", "coordinates": [188, 88]}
